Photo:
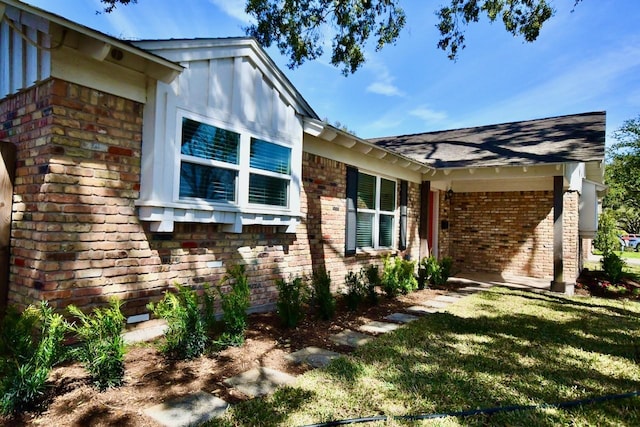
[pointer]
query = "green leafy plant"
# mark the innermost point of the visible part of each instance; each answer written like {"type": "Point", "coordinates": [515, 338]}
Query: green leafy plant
{"type": "Point", "coordinates": [101, 348]}
{"type": "Point", "coordinates": [613, 266]}
{"type": "Point", "coordinates": [186, 335]}
{"type": "Point", "coordinates": [356, 289]}
{"type": "Point", "coordinates": [292, 295]}
{"type": "Point", "coordinates": [398, 276]}
{"type": "Point", "coordinates": [30, 345]}
{"type": "Point", "coordinates": [371, 276]}
{"type": "Point", "coordinates": [323, 299]}
{"type": "Point", "coordinates": [234, 305]}
{"type": "Point", "coordinates": [432, 271]}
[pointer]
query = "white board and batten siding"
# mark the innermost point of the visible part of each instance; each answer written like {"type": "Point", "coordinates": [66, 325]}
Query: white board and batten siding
{"type": "Point", "coordinates": [231, 84]}
{"type": "Point", "coordinates": [25, 58]}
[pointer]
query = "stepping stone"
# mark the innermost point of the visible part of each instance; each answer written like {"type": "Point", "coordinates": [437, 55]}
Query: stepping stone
{"type": "Point", "coordinates": [313, 356]}
{"type": "Point", "coordinates": [190, 410]}
{"type": "Point", "coordinates": [401, 317]}
{"type": "Point", "coordinates": [422, 310]}
{"type": "Point", "coordinates": [447, 298]}
{"type": "Point", "coordinates": [379, 327]}
{"type": "Point", "coordinates": [436, 304]}
{"type": "Point", "coordinates": [259, 381]}
{"type": "Point", "coordinates": [473, 289]}
{"type": "Point", "coordinates": [350, 338]}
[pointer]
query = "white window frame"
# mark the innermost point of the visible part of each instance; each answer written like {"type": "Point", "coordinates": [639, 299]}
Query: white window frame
{"type": "Point", "coordinates": [377, 213]}
{"type": "Point", "coordinates": [243, 167]}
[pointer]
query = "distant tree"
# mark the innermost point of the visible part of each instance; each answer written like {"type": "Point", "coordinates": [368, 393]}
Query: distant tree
{"type": "Point", "coordinates": [299, 28]}
{"type": "Point", "coordinates": [622, 175]}
{"type": "Point", "coordinates": [339, 125]}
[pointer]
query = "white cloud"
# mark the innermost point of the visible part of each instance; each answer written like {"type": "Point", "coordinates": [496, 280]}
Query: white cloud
{"type": "Point", "coordinates": [383, 84]}
{"type": "Point", "coordinates": [382, 88]}
{"type": "Point", "coordinates": [429, 116]}
{"type": "Point", "coordinates": [235, 9]}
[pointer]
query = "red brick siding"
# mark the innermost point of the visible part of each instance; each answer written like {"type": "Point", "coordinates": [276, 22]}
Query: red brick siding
{"type": "Point", "coordinates": [76, 236]}
{"type": "Point", "coordinates": [500, 232]}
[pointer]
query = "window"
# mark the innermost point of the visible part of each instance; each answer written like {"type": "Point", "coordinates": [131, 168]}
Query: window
{"type": "Point", "coordinates": [270, 173]}
{"type": "Point", "coordinates": [210, 167]}
{"type": "Point", "coordinates": [210, 158]}
{"type": "Point", "coordinates": [376, 202]}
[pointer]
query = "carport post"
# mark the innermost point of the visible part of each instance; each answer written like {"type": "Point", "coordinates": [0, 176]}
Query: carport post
{"type": "Point", "coordinates": [558, 284]}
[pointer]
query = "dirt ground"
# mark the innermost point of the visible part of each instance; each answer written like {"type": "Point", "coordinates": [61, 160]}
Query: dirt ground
{"type": "Point", "coordinates": [151, 379]}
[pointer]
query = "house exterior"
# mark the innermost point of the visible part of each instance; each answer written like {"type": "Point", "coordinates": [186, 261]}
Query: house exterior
{"type": "Point", "coordinates": [138, 165]}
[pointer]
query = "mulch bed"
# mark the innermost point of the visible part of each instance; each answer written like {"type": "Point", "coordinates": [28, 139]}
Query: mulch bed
{"type": "Point", "coordinates": [151, 379]}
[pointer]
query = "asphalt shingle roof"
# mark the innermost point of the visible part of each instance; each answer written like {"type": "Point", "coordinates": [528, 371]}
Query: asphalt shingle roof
{"type": "Point", "coordinates": [573, 138]}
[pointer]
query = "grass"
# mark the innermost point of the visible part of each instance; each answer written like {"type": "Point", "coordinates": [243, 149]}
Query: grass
{"type": "Point", "coordinates": [497, 348]}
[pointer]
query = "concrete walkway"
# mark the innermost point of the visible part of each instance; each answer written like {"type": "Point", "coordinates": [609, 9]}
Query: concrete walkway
{"type": "Point", "coordinates": [597, 258]}
{"type": "Point", "coordinates": [202, 406]}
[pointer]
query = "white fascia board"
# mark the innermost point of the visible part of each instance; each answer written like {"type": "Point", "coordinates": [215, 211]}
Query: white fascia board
{"type": "Point", "coordinates": [169, 69]}
{"type": "Point", "coordinates": [359, 147]}
{"type": "Point", "coordinates": [497, 173]}
{"type": "Point", "coordinates": [340, 153]}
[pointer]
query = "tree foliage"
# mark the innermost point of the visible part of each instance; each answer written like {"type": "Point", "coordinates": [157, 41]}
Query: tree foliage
{"type": "Point", "coordinates": [622, 175]}
{"type": "Point", "coordinates": [301, 28]}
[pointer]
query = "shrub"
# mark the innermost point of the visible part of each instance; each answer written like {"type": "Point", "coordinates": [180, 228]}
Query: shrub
{"type": "Point", "coordinates": [371, 275]}
{"type": "Point", "coordinates": [606, 239]}
{"type": "Point", "coordinates": [323, 300]}
{"type": "Point", "coordinates": [434, 272]}
{"type": "Point", "coordinates": [101, 349]}
{"type": "Point", "coordinates": [613, 267]}
{"type": "Point", "coordinates": [30, 345]}
{"type": "Point", "coordinates": [291, 297]}
{"type": "Point", "coordinates": [186, 337]}
{"type": "Point", "coordinates": [356, 289]}
{"type": "Point", "coordinates": [234, 305]}
{"type": "Point", "coordinates": [398, 276]}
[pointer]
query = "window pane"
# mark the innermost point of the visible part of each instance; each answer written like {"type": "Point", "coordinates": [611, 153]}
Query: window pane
{"type": "Point", "coordinates": [209, 142]}
{"type": "Point", "coordinates": [385, 232]}
{"type": "Point", "coordinates": [270, 157]}
{"type": "Point", "coordinates": [366, 191]}
{"type": "Point", "coordinates": [387, 195]}
{"type": "Point", "coordinates": [205, 182]}
{"type": "Point", "coordinates": [266, 190]}
{"type": "Point", "coordinates": [364, 230]}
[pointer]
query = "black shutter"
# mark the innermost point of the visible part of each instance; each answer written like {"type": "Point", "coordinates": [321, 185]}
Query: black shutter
{"type": "Point", "coordinates": [352, 207]}
{"type": "Point", "coordinates": [404, 197]}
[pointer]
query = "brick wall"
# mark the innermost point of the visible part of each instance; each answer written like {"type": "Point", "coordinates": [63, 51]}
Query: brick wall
{"type": "Point", "coordinates": [570, 238]}
{"type": "Point", "coordinates": [508, 232]}
{"type": "Point", "coordinates": [76, 237]}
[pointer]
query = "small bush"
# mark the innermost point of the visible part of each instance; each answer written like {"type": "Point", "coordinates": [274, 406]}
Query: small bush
{"type": "Point", "coordinates": [234, 305]}
{"type": "Point", "coordinates": [371, 275]}
{"type": "Point", "coordinates": [613, 266]}
{"type": "Point", "coordinates": [186, 336]}
{"type": "Point", "coordinates": [101, 349]}
{"type": "Point", "coordinates": [323, 300]}
{"type": "Point", "coordinates": [432, 271]}
{"type": "Point", "coordinates": [398, 276]}
{"type": "Point", "coordinates": [291, 297]}
{"type": "Point", "coordinates": [356, 289]}
{"type": "Point", "coordinates": [30, 345]}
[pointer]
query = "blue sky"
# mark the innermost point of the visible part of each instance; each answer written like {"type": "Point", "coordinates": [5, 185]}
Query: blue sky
{"type": "Point", "coordinates": [586, 60]}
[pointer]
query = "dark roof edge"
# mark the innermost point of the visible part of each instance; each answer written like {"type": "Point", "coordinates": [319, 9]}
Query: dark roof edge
{"type": "Point", "coordinates": [592, 113]}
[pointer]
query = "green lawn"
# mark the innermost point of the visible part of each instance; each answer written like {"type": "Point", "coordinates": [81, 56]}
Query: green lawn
{"type": "Point", "coordinates": [497, 348]}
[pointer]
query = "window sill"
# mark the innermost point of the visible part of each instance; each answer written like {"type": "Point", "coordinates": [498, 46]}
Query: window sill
{"type": "Point", "coordinates": [371, 252]}
{"type": "Point", "coordinates": [162, 217]}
